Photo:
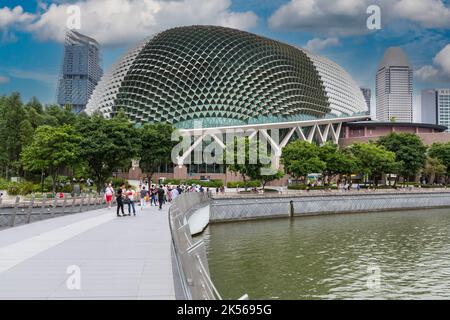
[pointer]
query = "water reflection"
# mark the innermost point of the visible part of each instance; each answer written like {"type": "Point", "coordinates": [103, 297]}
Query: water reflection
{"type": "Point", "coordinates": [327, 257]}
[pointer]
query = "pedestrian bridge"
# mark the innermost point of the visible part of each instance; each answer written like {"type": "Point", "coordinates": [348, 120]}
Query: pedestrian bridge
{"type": "Point", "coordinates": [89, 255]}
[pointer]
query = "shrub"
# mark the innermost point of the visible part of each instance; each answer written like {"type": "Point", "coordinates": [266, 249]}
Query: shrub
{"type": "Point", "coordinates": [26, 188]}
{"type": "Point", "coordinates": [250, 184]}
{"type": "Point", "coordinates": [305, 187]}
{"type": "Point", "coordinates": [23, 188]}
{"type": "Point", "coordinates": [13, 189]}
{"type": "Point", "coordinates": [4, 184]}
{"type": "Point", "coordinates": [117, 182]}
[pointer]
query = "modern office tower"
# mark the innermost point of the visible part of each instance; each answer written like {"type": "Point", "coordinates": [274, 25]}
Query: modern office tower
{"type": "Point", "coordinates": [80, 71]}
{"type": "Point", "coordinates": [367, 93]}
{"type": "Point", "coordinates": [394, 87]}
{"type": "Point", "coordinates": [436, 107]}
{"type": "Point", "coordinates": [428, 106]}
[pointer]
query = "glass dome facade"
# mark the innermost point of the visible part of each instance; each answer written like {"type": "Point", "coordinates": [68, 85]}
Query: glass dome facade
{"type": "Point", "coordinates": [223, 77]}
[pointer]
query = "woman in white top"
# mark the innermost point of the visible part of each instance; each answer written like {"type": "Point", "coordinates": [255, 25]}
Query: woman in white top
{"type": "Point", "coordinates": [109, 192]}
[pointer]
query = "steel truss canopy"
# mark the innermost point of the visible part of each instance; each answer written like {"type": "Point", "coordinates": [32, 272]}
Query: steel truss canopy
{"type": "Point", "coordinates": [319, 131]}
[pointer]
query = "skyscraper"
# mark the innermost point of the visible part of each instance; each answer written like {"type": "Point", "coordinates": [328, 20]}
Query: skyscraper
{"type": "Point", "coordinates": [394, 87]}
{"type": "Point", "coordinates": [436, 107]}
{"type": "Point", "coordinates": [80, 71]}
{"type": "Point", "coordinates": [367, 93]}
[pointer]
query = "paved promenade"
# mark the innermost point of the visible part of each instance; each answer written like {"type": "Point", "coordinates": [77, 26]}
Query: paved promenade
{"type": "Point", "coordinates": [105, 256]}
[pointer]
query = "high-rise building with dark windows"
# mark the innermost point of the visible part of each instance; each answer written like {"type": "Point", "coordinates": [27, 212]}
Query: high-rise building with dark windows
{"type": "Point", "coordinates": [80, 71]}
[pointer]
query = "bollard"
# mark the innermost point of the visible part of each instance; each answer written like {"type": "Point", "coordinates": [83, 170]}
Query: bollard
{"type": "Point", "coordinates": [13, 217]}
{"type": "Point", "coordinates": [30, 209]}
{"type": "Point", "coordinates": [64, 205]}
{"type": "Point", "coordinates": [55, 205]}
{"type": "Point", "coordinates": [82, 203]}
{"type": "Point", "coordinates": [44, 199]}
{"type": "Point", "coordinates": [291, 209]}
{"type": "Point", "coordinates": [96, 205]}
{"type": "Point", "coordinates": [89, 202]}
{"type": "Point", "coordinates": [72, 210]}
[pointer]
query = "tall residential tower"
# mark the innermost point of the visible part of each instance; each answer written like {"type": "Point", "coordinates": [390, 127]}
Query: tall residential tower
{"type": "Point", "coordinates": [394, 87]}
{"type": "Point", "coordinates": [80, 71]}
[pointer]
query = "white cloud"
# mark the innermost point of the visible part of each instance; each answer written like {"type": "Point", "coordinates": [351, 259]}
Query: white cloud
{"type": "Point", "coordinates": [348, 17]}
{"type": "Point", "coordinates": [428, 13]}
{"type": "Point", "coordinates": [316, 44]}
{"type": "Point", "coordinates": [46, 78]}
{"type": "Point", "coordinates": [426, 73]}
{"type": "Point", "coordinates": [14, 17]}
{"type": "Point", "coordinates": [114, 22]}
{"type": "Point", "coordinates": [340, 17]}
{"type": "Point", "coordinates": [442, 59]}
{"type": "Point", "coordinates": [3, 79]}
{"type": "Point", "coordinates": [440, 71]}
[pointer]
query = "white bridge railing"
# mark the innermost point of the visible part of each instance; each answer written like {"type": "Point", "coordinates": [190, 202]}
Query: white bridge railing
{"type": "Point", "coordinates": [23, 210]}
{"type": "Point", "coordinates": [191, 256]}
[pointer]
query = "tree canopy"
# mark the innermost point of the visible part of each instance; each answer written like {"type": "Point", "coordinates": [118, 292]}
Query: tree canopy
{"type": "Point", "coordinates": [409, 151]}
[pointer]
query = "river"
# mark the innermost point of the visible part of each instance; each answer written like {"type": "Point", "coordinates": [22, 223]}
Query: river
{"type": "Point", "coordinates": [386, 255]}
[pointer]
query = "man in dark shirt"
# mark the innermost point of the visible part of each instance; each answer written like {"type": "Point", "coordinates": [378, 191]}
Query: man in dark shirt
{"type": "Point", "coordinates": [160, 196]}
{"type": "Point", "coordinates": [119, 198]}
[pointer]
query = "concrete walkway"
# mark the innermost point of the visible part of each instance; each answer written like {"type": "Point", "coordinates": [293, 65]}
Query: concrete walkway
{"type": "Point", "coordinates": [90, 255]}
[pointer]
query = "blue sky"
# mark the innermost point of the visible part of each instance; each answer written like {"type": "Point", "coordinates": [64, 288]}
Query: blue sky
{"type": "Point", "coordinates": [31, 33]}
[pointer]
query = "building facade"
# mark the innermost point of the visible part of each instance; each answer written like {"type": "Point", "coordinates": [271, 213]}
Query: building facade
{"type": "Point", "coordinates": [365, 131]}
{"type": "Point", "coordinates": [367, 93]}
{"type": "Point", "coordinates": [429, 106]}
{"type": "Point", "coordinates": [436, 107]}
{"type": "Point", "coordinates": [80, 71]}
{"type": "Point", "coordinates": [224, 77]}
{"type": "Point", "coordinates": [394, 87]}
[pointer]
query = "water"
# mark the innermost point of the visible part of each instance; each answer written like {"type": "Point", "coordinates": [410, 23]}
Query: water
{"type": "Point", "coordinates": [334, 257]}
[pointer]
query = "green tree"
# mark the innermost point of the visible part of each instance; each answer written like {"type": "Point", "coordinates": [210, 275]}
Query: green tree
{"type": "Point", "coordinates": [434, 168]}
{"type": "Point", "coordinates": [155, 147]}
{"type": "Point", "coordinates": [56, 116]}
{"type": "Point", "coordinates": [107, 145]}
{"type": "Point", "coordinates": [52, 149]}
{"type": "Point", "coordinates": [301, 158]}
{"type": "Point", "coordinates": [251, 161]}
{"type": "Point", "coordinates": [441, 151]}
{"type": "Point", "coordinates": [373, 160]}
{"type": "Point", "coordinates": [337, 161]}
{"type": "Point", "coordinates": [26, 132]}
{"type": "Point", "coordinates": [11, 115]}
{"type": "Point", "coordinates": [409, 151]}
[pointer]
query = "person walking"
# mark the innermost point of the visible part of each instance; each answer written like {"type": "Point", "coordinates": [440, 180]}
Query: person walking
{"type": "Point", "coordinates": [119, 199]}
{"type": "Point", "coordinates": [131, 194]}
{"type": "Point", "coordinates": [153, 195]}
{"type": "Point", "coordinates": [160, 193]}
{"type": "Point", "coordinates": [143, 195]}
{"type": "Point", "coordinates": [109, 192]}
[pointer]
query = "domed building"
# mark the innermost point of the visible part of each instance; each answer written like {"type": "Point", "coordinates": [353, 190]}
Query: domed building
{"type": "Point", "coordinates": [219, 78]}
{"type": "Point", "coordinates": [224, 77]}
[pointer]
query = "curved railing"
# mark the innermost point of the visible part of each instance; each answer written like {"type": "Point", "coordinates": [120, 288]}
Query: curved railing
{"type": "Point", "coordinates": [190, 256]}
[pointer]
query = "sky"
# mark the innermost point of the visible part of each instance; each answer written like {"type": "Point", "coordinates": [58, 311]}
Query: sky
{"type": "Point", "coordinates": [32, 33]}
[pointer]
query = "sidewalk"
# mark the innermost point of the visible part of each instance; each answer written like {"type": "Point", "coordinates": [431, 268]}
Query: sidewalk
{"type": "Point", "coordinates": [117, 258]}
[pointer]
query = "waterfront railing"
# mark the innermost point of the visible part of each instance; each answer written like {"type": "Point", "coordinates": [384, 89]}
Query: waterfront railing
{"type": "Point", "coordinates": [190, 255]}
{"type": "Point", "coordinates": [23, 210]}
